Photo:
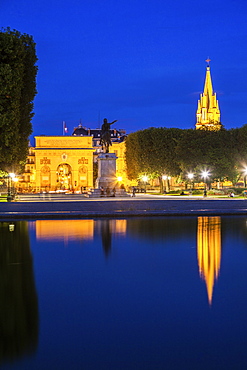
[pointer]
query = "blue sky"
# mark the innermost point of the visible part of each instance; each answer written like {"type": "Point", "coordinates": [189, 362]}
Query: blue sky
{"type": "Point", "coordinates": [141, 62]}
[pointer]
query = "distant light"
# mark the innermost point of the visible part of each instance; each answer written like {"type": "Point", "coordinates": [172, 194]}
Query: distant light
{"type": "Point", "coordinates": [145, 178]}
{"type": "Point", "coordinates": [190, 176]}
{"type": "Point", "coordinates": [12, 175]}
{"type": "Point", "coordinates": [205, 174]}
{"type": "Point", "coordinates": [119, 178]}
{"type": "Point", "coordinates": [164, 177]}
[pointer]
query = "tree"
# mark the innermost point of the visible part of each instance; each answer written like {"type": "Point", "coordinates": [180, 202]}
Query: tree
{"type": "Point", "coordinates": [18, 72]}
{"type": "Point", "coordinates": [198, 150]}
{"type": "Point", "coordinates": [133, 155]}
{"type": "Point", "coordinates": [152, 151]}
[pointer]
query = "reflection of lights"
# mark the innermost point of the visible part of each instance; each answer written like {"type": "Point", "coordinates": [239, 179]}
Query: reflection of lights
{"type": "Point", "coordinates": [118, 226]}
{"type": "Point", "coordinates": [11, 227]}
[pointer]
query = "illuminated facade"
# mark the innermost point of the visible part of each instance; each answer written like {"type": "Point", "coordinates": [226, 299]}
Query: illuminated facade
{"type": "Point", "coordinates": [208, 112]}
{"type": "Point", "coordinates": [209, 251]}
{"type": "Point", "coordinates": [65, 163]}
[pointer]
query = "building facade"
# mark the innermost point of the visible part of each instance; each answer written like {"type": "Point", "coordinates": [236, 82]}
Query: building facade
{"type": "Point", "coordinates": [66, 163]}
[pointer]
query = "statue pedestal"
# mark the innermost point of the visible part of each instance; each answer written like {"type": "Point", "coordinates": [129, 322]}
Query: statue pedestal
{"type": "Point", "coordinates": [106, 171]}
{"type": "Point", "coordinates": [106, 179]}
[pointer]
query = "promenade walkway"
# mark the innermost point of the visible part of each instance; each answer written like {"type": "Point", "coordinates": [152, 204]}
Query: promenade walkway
{"type": "Point", "coordinates": [77, 206]}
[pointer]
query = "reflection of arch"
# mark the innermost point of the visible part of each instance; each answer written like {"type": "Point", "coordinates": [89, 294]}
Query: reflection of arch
{"type": "Point", "coordinates": [64, 179]}
{"type": "Point", "coordinates": [82, 176]}
{"type": "Point", "coordinates": [45, 176]}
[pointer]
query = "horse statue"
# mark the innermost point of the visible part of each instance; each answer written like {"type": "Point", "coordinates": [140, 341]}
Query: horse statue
{"type": "Point", "coordinates": [105, 140]}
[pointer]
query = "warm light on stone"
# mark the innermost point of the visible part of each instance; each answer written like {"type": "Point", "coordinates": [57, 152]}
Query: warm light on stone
{"type": "Point", "coordinates": [208, 112]}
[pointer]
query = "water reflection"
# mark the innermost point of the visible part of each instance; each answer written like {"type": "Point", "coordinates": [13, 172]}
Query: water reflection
{"type": "Point", "coordinates": [209, 250]}
{"type": "Point", "coordinates": [208, 236]}
{"type": "Point", "coordinates": [64, 229]}
{"type": "Point", "coordinates": [18, 298]}
{"type": "Point", "coordinates": [144, 307]}
{"type": "Point", "coordinates": [70, 230]}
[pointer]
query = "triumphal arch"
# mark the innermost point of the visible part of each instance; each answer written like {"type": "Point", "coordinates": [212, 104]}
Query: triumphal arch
{"type": "Point", "coordinates": [63, 163]}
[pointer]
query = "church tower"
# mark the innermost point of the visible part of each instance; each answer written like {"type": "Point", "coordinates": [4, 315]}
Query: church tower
{"type": "Point", "coordinates": [208, 112]}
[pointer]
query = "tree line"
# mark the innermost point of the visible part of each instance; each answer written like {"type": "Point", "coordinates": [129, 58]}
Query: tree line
{"type": "Point", "coordinates": [18, 72]}
{"type": "Point", "coordinates": [176, 152]}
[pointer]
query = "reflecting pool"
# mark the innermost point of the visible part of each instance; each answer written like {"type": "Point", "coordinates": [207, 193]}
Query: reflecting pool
{"type": "Point", "coordinates": [138, 293]}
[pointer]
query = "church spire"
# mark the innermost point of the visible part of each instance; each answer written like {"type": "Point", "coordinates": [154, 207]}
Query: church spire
{"type": "Point", "coordinates": [208, 112]}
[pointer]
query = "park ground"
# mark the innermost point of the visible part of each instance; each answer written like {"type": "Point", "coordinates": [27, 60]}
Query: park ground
{"type": "Point", "coordinates": [77, 206]}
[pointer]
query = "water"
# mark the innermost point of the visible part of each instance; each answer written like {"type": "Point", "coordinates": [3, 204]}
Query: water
{"type": "Point", "coordinates": [141, 293]}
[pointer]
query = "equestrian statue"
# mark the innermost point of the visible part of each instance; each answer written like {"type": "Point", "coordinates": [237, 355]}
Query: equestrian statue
{"type": "Point", "coordinates": [105, 140]}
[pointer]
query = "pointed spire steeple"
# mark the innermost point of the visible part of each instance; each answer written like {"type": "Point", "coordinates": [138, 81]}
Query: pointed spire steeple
{"type": "Point", "coordinates": [208, 112]}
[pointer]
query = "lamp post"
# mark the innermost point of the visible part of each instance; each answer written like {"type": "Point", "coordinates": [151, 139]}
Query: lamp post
{"type": "Point", "coordinates": [168, 182]}
{"type": "Point", "coordinates": [245, 174]}
{"type": "Point", "coordinates": [145, 180]}
{"type": "Point", "coordinates": [164, 177]}
{"type": "Point", "coordinates": [11, 178]}
{"type": "Point", "coordinates": [205, 175]}
{"type": "Point", "coordinates": [190, 176]}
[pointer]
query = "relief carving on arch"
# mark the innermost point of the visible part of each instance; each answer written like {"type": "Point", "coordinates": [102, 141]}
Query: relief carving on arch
{"type": "Point", "coordinates": [82, 170]}
{"type": "Point", "coordinates": [45, 169]}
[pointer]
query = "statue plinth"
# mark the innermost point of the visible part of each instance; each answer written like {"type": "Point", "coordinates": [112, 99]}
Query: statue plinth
{"type": "Point", "coordinates": [106, 171]}
{"type": "Point", "coordinates": [106, 184]}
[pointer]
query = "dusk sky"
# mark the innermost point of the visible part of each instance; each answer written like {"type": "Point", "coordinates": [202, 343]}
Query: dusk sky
{"type": "Point", "coordinates": [141, 62]}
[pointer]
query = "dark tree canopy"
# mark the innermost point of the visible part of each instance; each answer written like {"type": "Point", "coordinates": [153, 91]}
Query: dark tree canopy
{"type": "Point", "coordinates": [198, 150]}
{"type": "Point", "coordinates": [152, 151]}
{"type": "Point", "coordinates": [157, 151]}
{"type": "Point", "coordinates": [18, 72]}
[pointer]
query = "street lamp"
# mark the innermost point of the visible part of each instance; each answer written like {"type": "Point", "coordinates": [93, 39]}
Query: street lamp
{"type": "Point", "coordinates": [168, 182]}
{"type": "Point", "coordinates": [145, 180]}
{"type": "Point", "coordinates": [245, 174]}
{"type": "Point", "coordinates": [190, 176]}
{"type": "Point", "coordinates": [205, 175]}
{"type": "Point", "coordinates": [164, 177]}
{"type": "Point", "coordinates": [11, 178]}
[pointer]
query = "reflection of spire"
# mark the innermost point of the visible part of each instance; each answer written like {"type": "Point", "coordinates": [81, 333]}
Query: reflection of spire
{"type": "Point", "coordinates": [209, 250]}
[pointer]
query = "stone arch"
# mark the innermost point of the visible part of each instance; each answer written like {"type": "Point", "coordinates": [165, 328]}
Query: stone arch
{"type": "Point", "coordinates": [64, 176]}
